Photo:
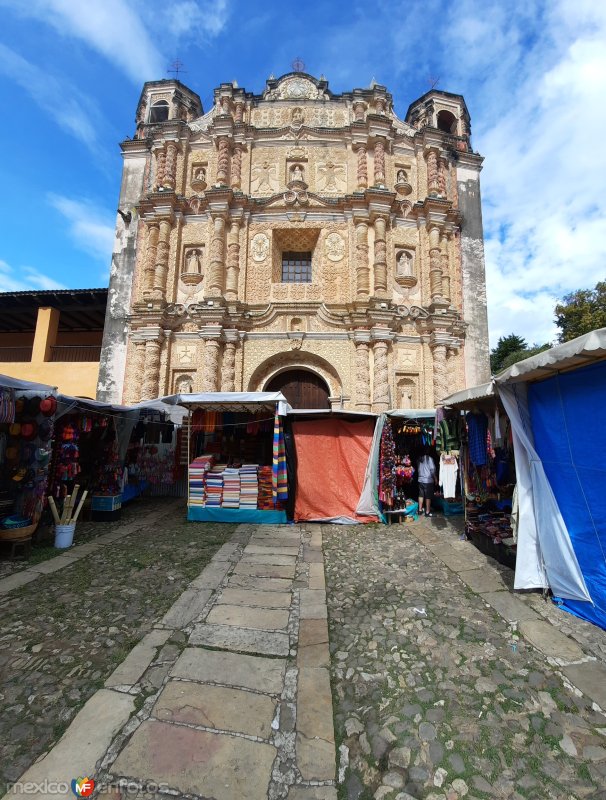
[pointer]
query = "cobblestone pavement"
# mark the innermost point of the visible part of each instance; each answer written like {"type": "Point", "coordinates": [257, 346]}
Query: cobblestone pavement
{"type": "Point", "coordinates": [62, 634]}
{"type": "Point", "coordinates": [438, 696]}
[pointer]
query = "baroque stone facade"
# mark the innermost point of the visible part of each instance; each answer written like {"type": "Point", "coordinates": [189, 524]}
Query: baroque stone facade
{"type": "Point", "coordinates": [391, 311]}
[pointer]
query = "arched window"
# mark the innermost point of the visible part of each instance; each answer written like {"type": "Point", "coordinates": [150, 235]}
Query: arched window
{"type": "Point", "coordinates": [447, 122]}
{"type": "Point", "coordinates": [158, 112]}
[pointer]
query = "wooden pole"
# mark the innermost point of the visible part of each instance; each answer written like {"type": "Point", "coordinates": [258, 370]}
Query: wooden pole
{"type": "Point", "coordinates": [53, 508]}
{"type": "Point", "coordinates": [74, 519]}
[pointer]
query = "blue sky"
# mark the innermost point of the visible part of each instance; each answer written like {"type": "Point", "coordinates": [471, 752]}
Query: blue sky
{"type": "Point", "coordinates": [533, 74]}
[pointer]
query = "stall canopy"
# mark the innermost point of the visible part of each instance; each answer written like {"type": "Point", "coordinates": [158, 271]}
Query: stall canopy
{"type": "Point", "coordinates": [555, 402]}
{"type": "Point", "coordinates": [230, 401]}
{"type": "Point", "coordinates": [26, 386]}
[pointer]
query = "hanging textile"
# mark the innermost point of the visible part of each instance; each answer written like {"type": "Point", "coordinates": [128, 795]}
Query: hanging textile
{"type": "Point", "coordinates": [279, 477]}
{"type": "Point", "coordinates": [7, 404]}
{"type": "Point", "coordinates": [387, 467]}
{"type": "Point", "coordinates": [477, 426]}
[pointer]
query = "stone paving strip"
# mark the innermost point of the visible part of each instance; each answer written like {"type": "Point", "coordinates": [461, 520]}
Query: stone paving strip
{"type": "Point", "coordinates": [65, 558]}
{"type": "Point", "coordinates": [494, 584]}
{"type": "Point", "coordinates": [244, 708]}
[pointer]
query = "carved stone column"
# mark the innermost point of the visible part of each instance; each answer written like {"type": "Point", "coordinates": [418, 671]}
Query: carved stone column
{"type": "Point", "coordinates": [153, 231]}
{"type": "Point", "coordinates": [445, 265]}
{"type": "Point", "coordinates": [136, 376]}
{"type": "Point", "coordinates": [380, 399]}
{"type": "Point", "coordinates": [161, 266]}
{"type": "Point", "coordinates": [160, 167]}
{"type": "Point", "coordinates": [380, 106]}
{"type": "Point", "coordinates": [359, 107]}
{"type": "Point", "coordinates": [432, 173]}
{"type": "Point", "coordinates": [362, 269]}
{"type": "Point", "coordinates": [233, 260]}
{"type": "Point", "coordinates": [228, 368]}
{"type": "Point", "coordinates": [217, 258]}
{"type": "Point", "coordinates": [435, 263]}
{"type": "Point", "coordinates": [441, 181]}
{"type": "Point", "coordinates": [223, 161]}
{"type": "Point", "coordinates": [210, 371]}
{"type": "Point", "coordinates": [236, 167]}
{"type": "Point", "coordinates": [239, 113]}
{"type": "Point", "coordinates": [379, 163]}
{"type": "Point", "coordinates": [151, 369]}
{"type": "Point", "coordinates": [440, 378]}
{"type": "Point", "coordinates": [170, 172]}
{"type": "Point", "coordinates": [380, 265]}
{"type": "Point", "coordinates": [362, 371]}
{"type": "Point", "coordinates": [362, 175]}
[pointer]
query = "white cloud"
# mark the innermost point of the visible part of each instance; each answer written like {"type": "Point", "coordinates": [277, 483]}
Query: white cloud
{"type": "Point", "coordinates": [24, 279]}
{"type": "Point", "coordinates": [196, 20]}
{"type": "Point", "coordinates": [111, 27]}
{"type": "Point", "coordinates": [90, 227]}
{"type": "Point", "coordinates": [72, 110]}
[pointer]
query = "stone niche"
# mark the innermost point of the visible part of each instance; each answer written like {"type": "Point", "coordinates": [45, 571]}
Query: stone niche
{"type": "Point", "coordinates": [199, 176]}
{"type": "Point", "coordinates": [192, 268]}
{"type": "Point", "coordinates": [402, 185]}
{"type": "Point", "coordinates": [405, 270]}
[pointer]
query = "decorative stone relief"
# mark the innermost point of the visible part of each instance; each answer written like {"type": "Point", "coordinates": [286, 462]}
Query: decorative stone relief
{"type": "Point", "coordinates": [295, 88]}
{"type": "Point", "coordinates": [331, 177]}
{"type": "Point", "coordinates": [334, 247]}
{"type": "Point", "coordinates": [402, 185]}
{"type": "Point", "coordinates": [408, 393]}
{"type": "Point", "coordinates": [264, 178]}
{"type": "Point", "coordinates": [259, 247]}
{"type": "Point", "coordinates": [185, 354]}
{"type": "Point", "coordinates": [193, 271]}
{"type": "Point", "coordinates": [297, 117]}
{"type": "Point", "coordinates": [407, 359]}
{"type": "Point", "coordinates": [199, 175]}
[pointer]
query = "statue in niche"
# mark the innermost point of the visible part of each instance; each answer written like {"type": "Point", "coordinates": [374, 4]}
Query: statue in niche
{"type": "Point", "coordinates": [297, 116]}
{"type": "Point", "coordinates": [401, 176]}
{"type": "Point", "coordinates": [200, 174]}
{"type": "Point", "coordinates": [193, 262]}
{"type": "Point", "coordinates": [404, 265]}
{"type": "Point", "coordinates": [296, 173]}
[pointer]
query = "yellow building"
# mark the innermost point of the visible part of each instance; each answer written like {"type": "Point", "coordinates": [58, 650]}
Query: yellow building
{"type": "Point", "coordinates": [297, 240]}
{"type": "Point", "coordinates": [53, 337]}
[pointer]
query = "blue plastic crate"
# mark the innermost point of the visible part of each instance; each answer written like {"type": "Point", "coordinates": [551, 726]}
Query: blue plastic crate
{"type": "Point", "coordinates": [110, 503]}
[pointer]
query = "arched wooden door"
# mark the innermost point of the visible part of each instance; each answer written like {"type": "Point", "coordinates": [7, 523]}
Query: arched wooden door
{"type": "Point", "coordinates": [302, 389]}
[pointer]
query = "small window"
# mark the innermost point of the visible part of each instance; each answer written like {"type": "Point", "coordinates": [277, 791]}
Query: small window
{"type": "Point", "coordinates": [159, 112]}
{"type": "Point", "coordinates": [296, 267]}
{"type": "Point", "coordinates": [447, 122]}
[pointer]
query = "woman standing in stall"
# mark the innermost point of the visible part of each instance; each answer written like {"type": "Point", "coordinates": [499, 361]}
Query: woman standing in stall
{"type": "Point", "coordinates": [428, 479]}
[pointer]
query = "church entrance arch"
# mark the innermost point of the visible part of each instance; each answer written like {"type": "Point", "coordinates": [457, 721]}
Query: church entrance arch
{"type": "Point", "coordinates": [301, 387]}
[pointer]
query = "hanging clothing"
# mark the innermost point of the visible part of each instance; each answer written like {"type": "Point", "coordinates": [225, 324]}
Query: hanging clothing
{"type": "Point", "coordinates": [477, 426]}
{"type": "Point", "coordinates": [449, 468]}
{"type": "Point", "coordinates": [279, 476]}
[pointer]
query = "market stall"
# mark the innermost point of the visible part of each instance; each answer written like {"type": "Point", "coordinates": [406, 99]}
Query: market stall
{"type": "Point", "coordinates": [236, 455]}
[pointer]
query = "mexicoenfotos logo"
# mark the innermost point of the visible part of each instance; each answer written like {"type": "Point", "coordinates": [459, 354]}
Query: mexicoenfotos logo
{"type": "Point", "coordinates": [83, 787]}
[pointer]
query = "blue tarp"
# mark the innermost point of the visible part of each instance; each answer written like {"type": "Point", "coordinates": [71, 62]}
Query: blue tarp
{"type": "Point", "coordinates": [567, 413]}
{"type": "Point", "coordinates": [239, 516]}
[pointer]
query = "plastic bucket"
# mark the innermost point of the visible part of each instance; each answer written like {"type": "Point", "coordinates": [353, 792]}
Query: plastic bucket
{"type": "Point", "coordinates": [64, 535]}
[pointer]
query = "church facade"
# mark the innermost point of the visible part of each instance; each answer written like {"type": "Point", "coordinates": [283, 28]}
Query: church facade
{"type": "Point", "coordinates": [297, 240]}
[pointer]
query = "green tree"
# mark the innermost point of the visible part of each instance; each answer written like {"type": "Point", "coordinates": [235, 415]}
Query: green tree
{"type": "Point", "coordinates": [520, 355]}
{"type": "Point", "coordinates": [581, 311]}
{"type": "Point", "coordinates": [505, 347]}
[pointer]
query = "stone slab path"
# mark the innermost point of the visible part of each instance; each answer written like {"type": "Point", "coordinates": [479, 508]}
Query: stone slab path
{"type": "Point", "coordinates": [243, 708]}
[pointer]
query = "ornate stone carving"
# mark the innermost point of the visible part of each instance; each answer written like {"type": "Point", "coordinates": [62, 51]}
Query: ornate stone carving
{"type": "Point", "coordinates": [199, 177]}
{"type": "Point", "coordinates": [210, 372]}
{"type": "Point", "coordinates": [259, 247]}
{"type": "Point", "coordinates": [362, 377]}
{"type": "Point", "coordinates": [380, 398]}
{"type": "Point", "coordinates": [217, 258]}
{"type": "Point", "coordinates": [296, 197]}
{"type": "Point", "coordinates": [379, 163]}
{"type": "Point", "coordinates": [192, 271]}
{"type": "Point", "coordinates": [228, 368]}
{"type": "Point", "coordinates": [195, 203]}
{"type": "Point", "coordinates": [184, 384]}
{"type": "Point", "coordinates": [433, 188]}
{"type": "Point", "coordinates": [359, 108]}
{"type": "Point", "coordinates": [441, 179]}
{"type": "Point", "coordinates": [233, 260]}
{"type": "Point", "coordinates": [297, 117]}
{"type": "Point", "coordinates": [236, 167]}
{"type": "Point", "coordinates": [138, 372]}
{"type": "Point", "coordinates": [362, 167]}
{"type": "Point", "coordinates": [297, 153]}
{"type": "Point", "coordinates": [151, 371]}
{"type": "Point", "coordinates": [435, 263]}
{"type": "Point", "coordinates": [402, 185]}
{"type": "Point", "coordinates": [295, 88]}
{"type": "Point", "coordinates": [445, 265]}
{"type": "Point", "coordinates": [239, 113]}
{"type": "Point", "coordinates": [170, 170]}
{"type": "Point", "coordinates": [160, 167]}
{"type": "Point", "coordinates": [264, 177]}
{"type": "Point", "coordinates": [334, 247]}
{"type": "Point", "coordinates": [331, 177]}
{"type": "Point", "coordinates": [161, 266]}
{"type": "Point", "coordinates": [440, 378]}
{"type": "Point", "coordinates": [153, 231]}
{"type": "Point", "coordinates": [223, 160]}
{"type": "Point", "coordinates": [380, 263]}
{"type": "Point", "coordinates": [362, 268]}
{"type": "Point", "coordinates": [185, 354]}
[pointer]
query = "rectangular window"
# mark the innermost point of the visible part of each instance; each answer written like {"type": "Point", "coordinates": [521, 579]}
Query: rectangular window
{"type": "Point", "coordinates": [296, 267]}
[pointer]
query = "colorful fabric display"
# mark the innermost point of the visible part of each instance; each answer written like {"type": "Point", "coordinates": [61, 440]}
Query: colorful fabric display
{"type": "Point", "coordinates": [387, 467]}
{"type": "Point", "coordinates": [7, 404]}
{"type": "Point", "coordinates": [265, 501]}
{"type": "Point", "coordinates": [279, 477]}
{"type": "Point", "coordinates": [249, 486]}
{"type": "Point", "coordinates": [231, 488]}
{"type": "Point", "coordinates": [197, 479]}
